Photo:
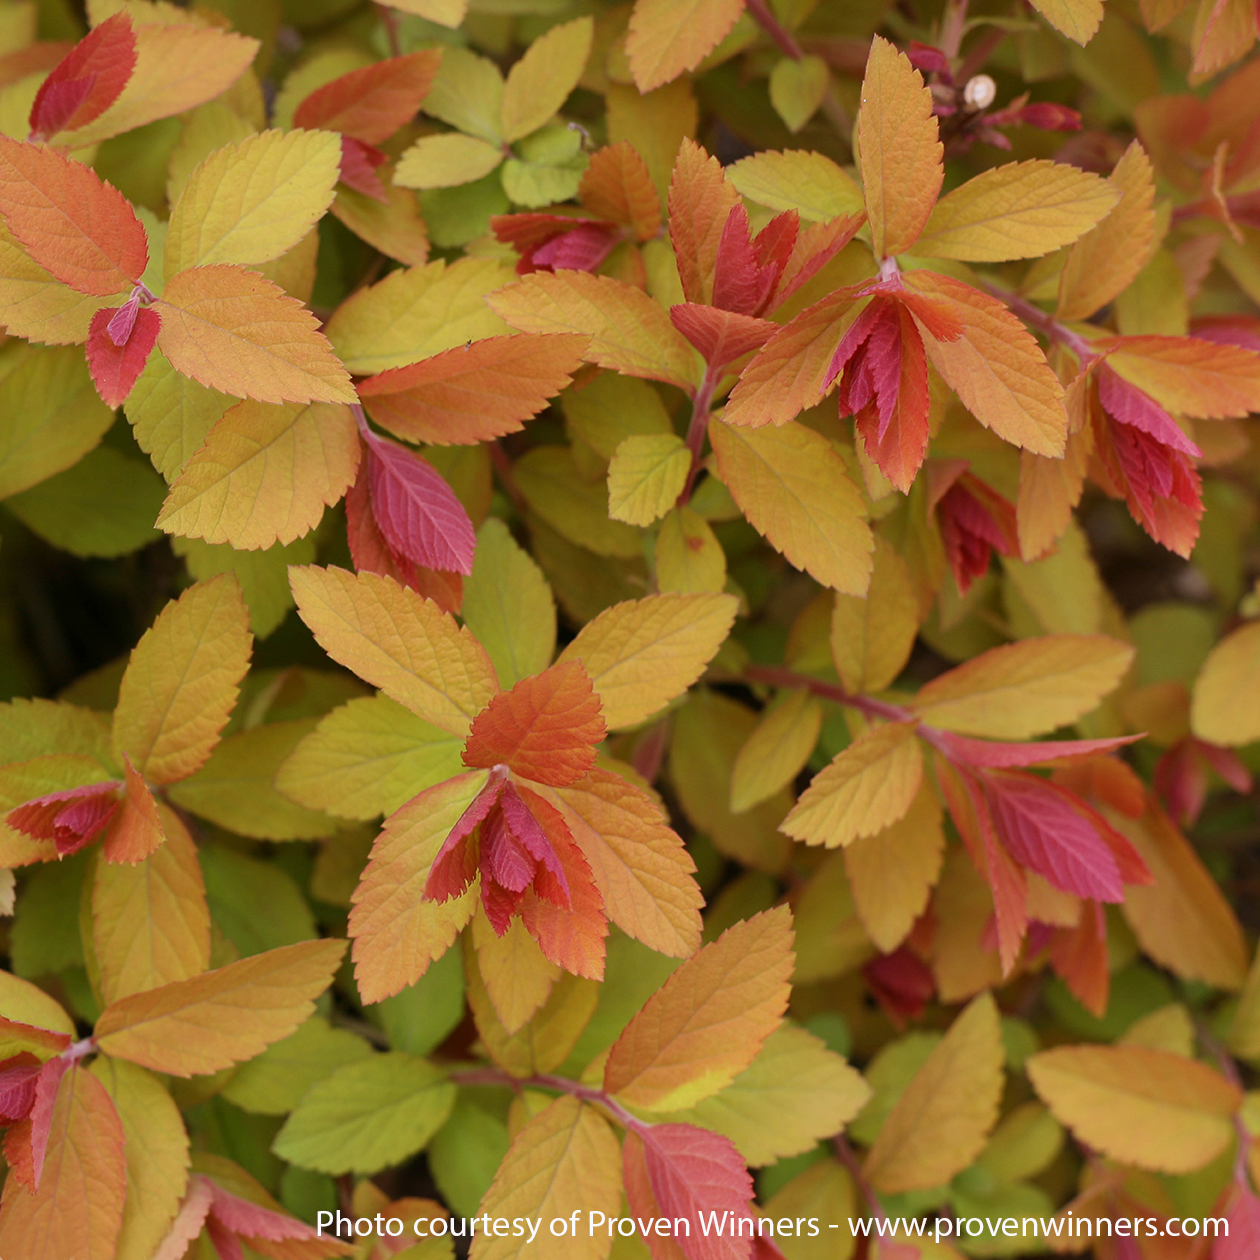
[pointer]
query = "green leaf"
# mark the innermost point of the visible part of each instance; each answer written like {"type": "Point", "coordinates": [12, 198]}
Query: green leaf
{"type": "Point", "coordinates": [256, 905]}
{"type": "Point", "coordinates": [468, 1149]}
{"type": "Point", "coordinates": [797, 88]}
{"type": "Point", "coordinates": [367, 1115]}
{"type": "Point", "coordinates": [424, 1014]}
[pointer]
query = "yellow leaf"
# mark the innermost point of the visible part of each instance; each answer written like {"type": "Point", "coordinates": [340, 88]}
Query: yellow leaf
{"type": "Point", "coordinates": [446, 161]}
{"type": "Point", "coordinates": [417, 312]}
{"type": "Point", "coordinates": [171, 415]}
{"type": "Point", "coordinates": [641, 867]}
{"type": "Point", "coordinates": [197, 1026]}
{"type": "Point", "coordinates": [645, 477]}
{"type": "Point", "coordinates": [867, 786]}
{"type": "Point", "coordinates": [642, 653]}
{"type": "Point", "coordinates": [629, 331]}
{"type": "Point", "coordinates": [156, 1148]}
{"type": "Point", "coordinates": [565, 1159]}
{"type": "Point", "coordinates": [668, 37]}
{"type": "Point", "coordinates": [1105, 261]}
{"type": "Point", "coordinates": [1182, 919]}
{"type": "Point", "coordinates": [1026, 688]}
{"type": "Point", "coordinates": [939, 1124]}
{"type": "Point", "coordinates": [178, 67]}
{"type": "Point", "coordinates": [1021, 210]}
{"type": "Point", "coordinates": [397, 934]}
{"type": "Point", "coordinates": [996, 368]}
{"type": "Point", "coordinates": [540, 82]}
{"type": "Point", "coordinates": [1077, 19]}
{"type": "Point", "coordinates": [809, 183]}
{"type": "Point", "coordinates": [443, 12]}
{"type": "Point", "coordinates": [509, 981]}
{"type": "Point", "coordinates": [251, 201]}
{"type": "Point", "coordinates": [892, 872]}
{"type": "Point", "coordinates": [78, 1208]}
{"type": "Point", "coordinates": [509, 606]}
{"type": "Point", "coordinates": [264, 475]}
{"type": "Point", "coordinates": [871, 638]}
{"type": "Point", "coordinates": [236, 331]}
{"type": "Point", "coordinates": [207, 128]}
{"type": "Point", "coordinates": [25, 1003]}
{"type": "Point", "coordinates": [182, 680]}
{"type": "Point", "coordinates": [899, 149]}
{"type": "Point", "coordinates": [397, 641]}
{"type": "Point", "coordinates": [777, 750]}
{"type": "Point", "coordinates": [1224, 708]}
{"type": "Point", "coordinates": [689, 559]}
{"type": "Point", "coordinates": [150, 921]}
{"type": "Point", "coordinates": [1139, 1106]}
{"type": "Point", "coordinates": [708, 1021]}
{"type": "Point", "coordinates": [794, 1093]}
{"type": "Point", "coordinates": [796, 491]}
{"type": "Point", "coordinates": [1169, 1028]}
{"type": "Point", "coordinates": [573, 506]}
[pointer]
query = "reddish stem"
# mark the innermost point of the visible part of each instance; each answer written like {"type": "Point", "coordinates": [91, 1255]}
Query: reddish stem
{"type": "Point", "coordinates": [562, 1084]}
{"type": "Point", "coordinates": [760, 13]}
{"type": "Point", "coordinates": [698, 428]}
{"type": "Point", "coordinates": [777, 676]}
{"type": "Point", "coordinates": [1046, 324]}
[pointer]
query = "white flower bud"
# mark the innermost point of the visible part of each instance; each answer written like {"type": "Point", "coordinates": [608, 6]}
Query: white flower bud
{"type": "Point", "coordinates": [980, 92]}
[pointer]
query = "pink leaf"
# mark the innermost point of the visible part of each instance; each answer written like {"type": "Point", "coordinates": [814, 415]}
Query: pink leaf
{"type": "Point", "coordinates": [188, 1220]}
{"type": "Point", "coordinates": [456, 861]}
{"type": "Point", "coordinates": [1129, 405]}
{"type": "Point", "coordinates": [418, 513]}
{"type": "Point", "coordinates": [983, 752]}
{"type": "Point", "coordinates": [359, 161]}
{"type": "Point", "coordinates": [115, 368]}
{"type": "Point", "coordinates": [46, 1084]}
{"type": "Point", "coordinates": [17, 1086]}
{"type": "Point", "coordinates": [71, 818]}
{"type": "Point", "coordinates": [1243, 1215]}
{"type": "Point", "coordinates": [252, 1221]}
{"type": "Point", "coordinates": [741, 282]}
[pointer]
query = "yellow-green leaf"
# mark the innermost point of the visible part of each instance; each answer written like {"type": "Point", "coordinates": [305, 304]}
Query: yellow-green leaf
{"type": "Point", "coordinates": [777, 750]}
{"type": "Point", "coordinates": [689, 559]}
{"type": "Point", "coordinates": [645, 477]}
{"type": "Point", "coordinates": [797, 88]}
{"type": "Point", "coordinates": [445, 161]}
{"type": "Point", "coordinates": [540, 82]}
{"type": "Point", "coordinates": [1224, 708]}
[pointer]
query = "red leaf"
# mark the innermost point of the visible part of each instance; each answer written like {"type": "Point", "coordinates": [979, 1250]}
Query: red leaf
{"type": "Point", "coordinates": [1045, 830]}
{"type": "Point", "coordinates": [641, 1198]}
{"type": "Point", "coordinates": [46, 1085]}
{"type": "Point", "coordinates": [71, 818]}
{"type": "Point", "coordinates": [544, 729]}
{"type": "Point", "coordinates": [698, 1175]}
{"type": "Point", "coordinates": [456, 862]}
{"type": "Point", "coordinates": [77, 227]}
{"type": "Point", "coordinates": [88, 80]}
{"type": "Point", "coordinates": [1243, 1242]}
{"type": "Point", "coordinates": [416, 510]}
{"type": "Point", "coordinates": [975, 521]}
{"type": "Point", "coordinates": [249, 1220]}
{"type": "Point", "coordinates": [371, 103]}
{"type": "Point", "coordinates": [474, 393]}
{"type": "Point", "coordinates": [721, 336]}
{"type": "Point", "coordinates": [1129, 405]}
{"type": "Point", "coordinates": [116, 368]}
{"type": "Point", "coordinates": [983, 752]}
{"type": "Point", "coordinates": [902, 982]}
{"type": "Point", "coordinates": [518, 854]}
{"type": "Point", "coordinates": [742, 281]}
{"type": "Point", "coordinates": [136, 830]}
{"type": "Point", "coordinates": [358, 168]}
{"type": "Point", "coordinates": [17, 1086]}
{"type": "Point", "coordinates": [814, 249]}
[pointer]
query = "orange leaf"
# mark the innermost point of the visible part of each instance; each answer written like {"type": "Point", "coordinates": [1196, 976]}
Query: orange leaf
{"type": "Point", "coordinates": [78, 228]}
{"type": "Point", "coordinates": [545, 728]}
{"type": "Point", "coordinates": [193, 1027]}
{"type": "Point", "coordinates": [77, 1211]}
{"type": "Point", "coordinates": [788, 373]}
{"type": "Point", "coordinates": [474, 393]}
{"type": "Point", "coordinates": [371, 103]}
{"type": "Point", "coordinates": [700, 199]}
{"type": "Point", "coordinates": [640, 864]}
{"type": "Point", "coordinates": [708, 1020]}
{"type": "Point", "coordinates": [900, 148]}
{"type": "Point", "coordinates": [668, 37]}
{"type": "Point", "coordinates": [618, 186]}
{"type": "Point", "coordinates": [237, 332]}
{"type": "Point", "coordinates": [995, 367]}
{"type": "Point", "coordinates": [136, 830]}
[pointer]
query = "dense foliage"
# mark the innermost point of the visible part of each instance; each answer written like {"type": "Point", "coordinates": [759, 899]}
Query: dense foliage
{"type": "Point", "coordinates": [629, 611]}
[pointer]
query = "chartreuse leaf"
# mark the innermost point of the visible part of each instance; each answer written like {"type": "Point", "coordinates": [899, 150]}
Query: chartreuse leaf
{"type": "Point", "coordinates": [612, 408]}
{"type": "Point", "coordinates": [1077, 19]}
{"type": "Point", "coordinates": [251, 201]}
{"type": "Point", "coordinates": [940, 1123]}
{"type": "Point", "coordinates": [1139, 1106]}
{"type": "Point", "coordinates": [794, 1092]}
{"type": "Point", "coordinates": [809, 183]}
{"type": "Point", "coordinates": [467, 1151]}
{"type": "Point", "coordinates": [797, 88]}
{"type": "Point", "coordinates": [824, 1190]}
{"type": "Point", "coordinates": [468, 93]}
{"type": "Point", "coordinates": [256, 905]}
{"type": "Point", "coordinates": [867, 786]}
{"type": "Point", "coordinates": [1221, 710]}
{"type": "Point", "coordinates": [367, 758]}
{"type": "Point", "coordinates": [540, 82]}
{"type": "Point", "coordinates": [156, 1149]}
{"type": "Point", "coordinates": [197, 1026]}
{"type": "Point", "coordinates": [36, 727]}
{"type": "Point", "coordinates": [899, 147]}
{"type": "Point", "coordinates": [367, 1115]}
{"type": "Point", "coordinates": [85, 1167]}
{"type": "Point", "coordinates": [642, 653]}
{"type": "Point", "coordinates": [446, 161]}
{"type": "Point", "coordinates": [425, 1013]}
{"type": "Point", "coordinates": [182, 682]}
{"type": "Point", "coordinates": [397, 641]}
{"type": "Point", "coordinates": [509, 606]}
{"type": "Point", "coordinates": [646, 476]}
{"type": "Point", "coordinates": [564, 1158]}
{"type": "Point", "coordinates": [708, 1021]}
{"type": "Point", "coordinates": [1021, 210]}
{"type": "Point", "coordinates": [795, 490]}
{"type": "Point", "coordinates": [53, 416]}
{"type": "Point", "coordinates": [274, 1083]}
{"type": "Point", "coordinates": [1026, 688]}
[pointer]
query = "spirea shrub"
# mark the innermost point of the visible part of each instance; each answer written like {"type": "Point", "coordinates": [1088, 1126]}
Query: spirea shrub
{"type": "Point", "coordinates": [638, 618]}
